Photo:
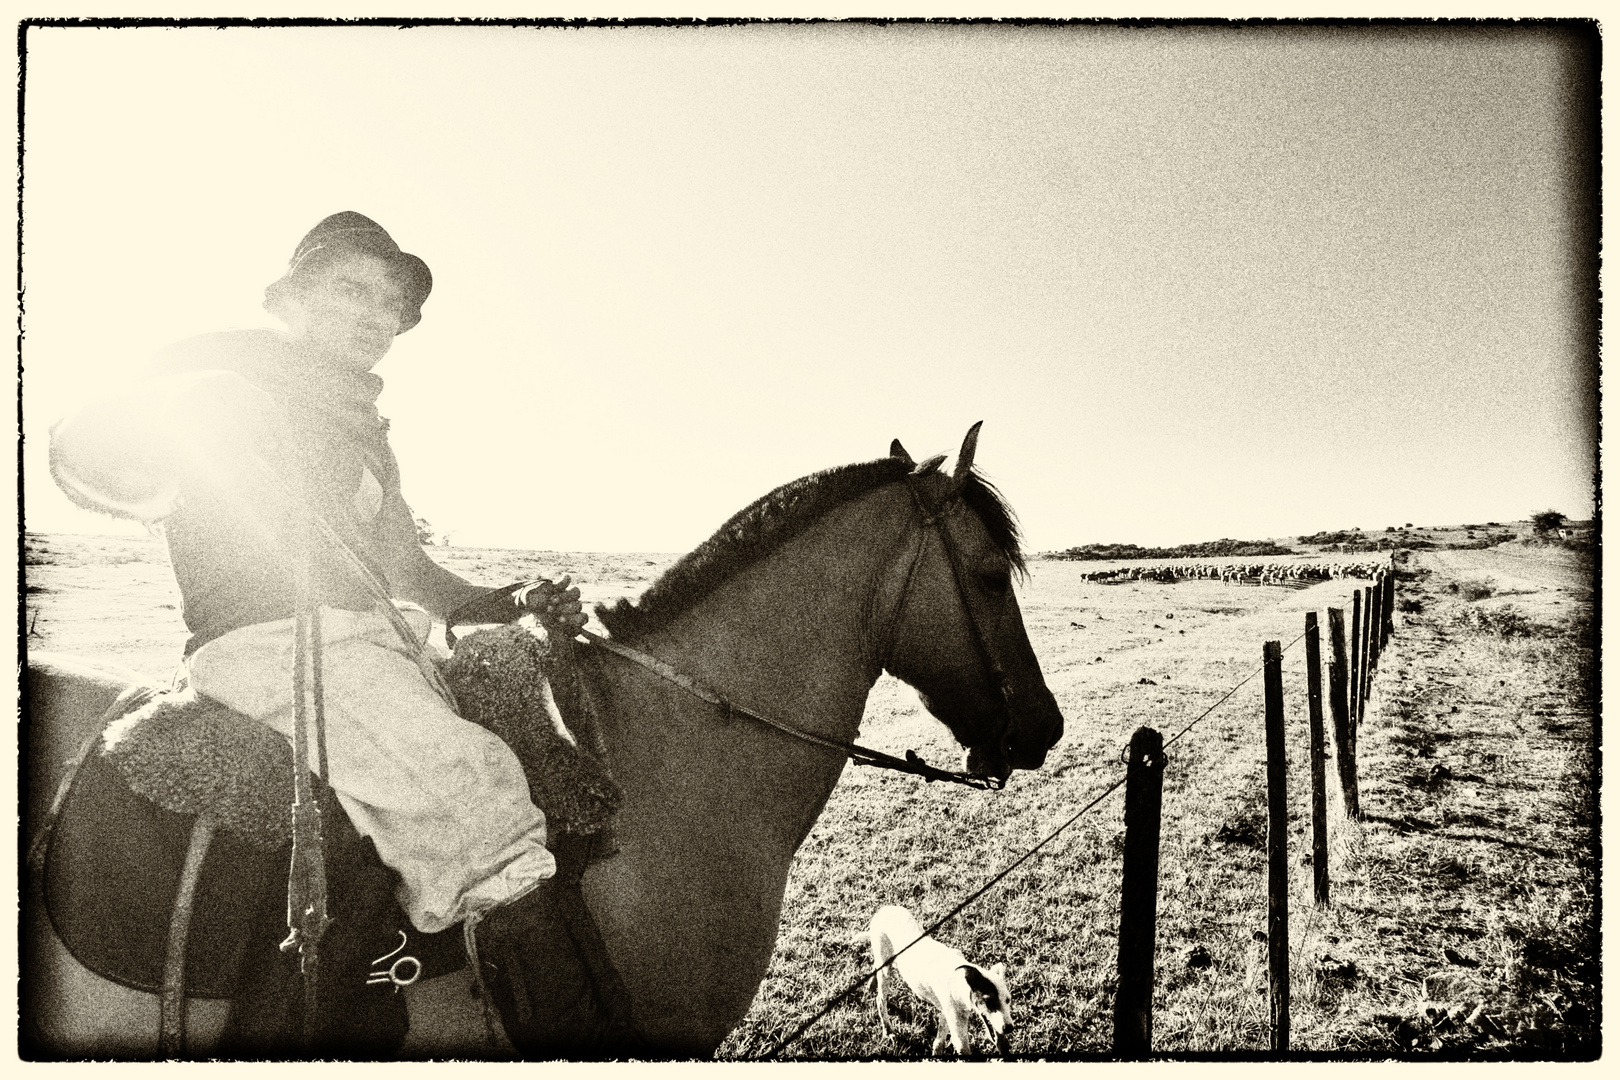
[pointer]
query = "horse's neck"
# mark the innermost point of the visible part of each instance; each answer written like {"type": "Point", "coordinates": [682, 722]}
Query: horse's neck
{"type": "Point", "coordinates": [716, 807]}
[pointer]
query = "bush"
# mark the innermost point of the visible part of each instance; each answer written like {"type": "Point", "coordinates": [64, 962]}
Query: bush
{"type": "Point", "coordinates": [1506, 622]}
{"type": "Point", "coordinates": [1473, 589]}
{"type": "Point", "coordinates": [1410, 607]}
{"type": "Point", "coordinates": [1340, 536]}
{"type": "Point", "coordinates": [1207, 549]}
{"type": "Point", "coordinates": [1548, 521]}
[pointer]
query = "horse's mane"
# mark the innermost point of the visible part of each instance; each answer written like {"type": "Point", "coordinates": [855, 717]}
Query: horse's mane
{"type": "Point", "coordinates": [770, 521]}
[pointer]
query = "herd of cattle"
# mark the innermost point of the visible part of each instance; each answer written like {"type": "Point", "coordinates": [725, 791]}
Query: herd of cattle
{"type": "Point", "coordinates": [1297, 575]}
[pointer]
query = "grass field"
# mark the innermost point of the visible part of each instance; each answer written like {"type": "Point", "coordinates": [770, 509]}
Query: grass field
{"type": "Point", "coordinates": [1463, 918]}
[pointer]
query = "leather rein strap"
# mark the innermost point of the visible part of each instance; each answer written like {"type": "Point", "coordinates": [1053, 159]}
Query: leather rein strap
{"type": "Point", "coordinates": [858, 754]}
{"type": "Point", "coordinates": [307, 918]}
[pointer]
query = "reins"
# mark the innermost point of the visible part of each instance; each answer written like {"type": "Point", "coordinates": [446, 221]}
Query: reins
{"type": "Point", "coordinates": [307, 918]}
{"type": "Point", "coordinates": [858, 754]}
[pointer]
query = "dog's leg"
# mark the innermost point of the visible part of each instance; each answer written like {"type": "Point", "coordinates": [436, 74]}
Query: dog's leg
{"type": "Point", "coordinates": [956, 1018]}
{"type": "Point", "coordinates": [882, 989]}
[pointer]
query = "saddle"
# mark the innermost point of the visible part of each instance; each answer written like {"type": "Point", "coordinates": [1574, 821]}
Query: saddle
{"type": "Point", "coordinates": [114, 857]}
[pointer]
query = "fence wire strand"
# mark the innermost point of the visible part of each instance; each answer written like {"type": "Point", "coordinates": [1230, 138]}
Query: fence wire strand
{"type": "Point", "coordinates": [941, 921]}
{"type": "Point", "coordinates": [833, 1002]}
{"type": "Point", "coordinates": [1226, 695]}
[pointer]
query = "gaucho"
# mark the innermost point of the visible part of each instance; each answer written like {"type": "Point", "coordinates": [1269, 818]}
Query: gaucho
{"type": "Point", "coordinates": [246, 443]}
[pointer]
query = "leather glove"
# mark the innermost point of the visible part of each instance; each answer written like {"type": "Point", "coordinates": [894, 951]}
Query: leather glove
{"type": "Point", "coordinates": [555, 604]}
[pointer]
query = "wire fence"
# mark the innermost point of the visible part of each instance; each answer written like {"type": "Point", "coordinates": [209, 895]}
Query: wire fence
{"type": "Point", "coordinates": [1362, 662]}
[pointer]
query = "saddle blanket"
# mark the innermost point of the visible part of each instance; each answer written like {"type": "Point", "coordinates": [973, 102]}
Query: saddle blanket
{"type": "Point", "coordinates": [116, 851]}
{"type": "Point", "coordinates": [112, 871]}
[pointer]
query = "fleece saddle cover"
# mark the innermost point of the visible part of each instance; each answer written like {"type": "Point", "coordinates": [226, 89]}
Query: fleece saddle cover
{"type": "Point", "coordinates": [113, 863]}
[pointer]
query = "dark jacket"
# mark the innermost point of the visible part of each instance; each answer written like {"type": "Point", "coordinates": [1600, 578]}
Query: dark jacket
{"type": "Point", "coordinates": [233, 538]}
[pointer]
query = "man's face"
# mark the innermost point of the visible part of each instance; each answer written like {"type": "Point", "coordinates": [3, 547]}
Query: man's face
{"type": "Point", "coordinates": [347, 310]}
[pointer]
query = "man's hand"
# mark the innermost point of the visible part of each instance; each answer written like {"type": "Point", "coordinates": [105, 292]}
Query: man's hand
{"type": "Point", "coordinates": [554, 604]}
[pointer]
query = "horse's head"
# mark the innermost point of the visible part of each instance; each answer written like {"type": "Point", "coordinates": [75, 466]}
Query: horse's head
{"type": "Point", "coordinates": [958, 636]}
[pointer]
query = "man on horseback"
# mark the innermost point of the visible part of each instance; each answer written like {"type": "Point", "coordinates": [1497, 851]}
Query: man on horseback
{"type": "Point", "coordinates": [264, 457]}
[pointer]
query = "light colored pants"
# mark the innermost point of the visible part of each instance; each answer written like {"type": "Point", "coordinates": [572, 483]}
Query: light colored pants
{"type": "Point", "coordinates": [444, 800]}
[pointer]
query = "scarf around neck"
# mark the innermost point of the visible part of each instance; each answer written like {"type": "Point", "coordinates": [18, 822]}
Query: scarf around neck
{"type": "Point", "coordinates": [332, 402]}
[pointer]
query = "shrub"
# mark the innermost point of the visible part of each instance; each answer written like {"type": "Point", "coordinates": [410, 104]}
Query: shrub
{"type": "Point", "coordinates": [1472, 589]}
{"type": "Point", "coordinates": [1506, 622]}
{"type": "Point", "coordinates": [1410, 607]}
{"type": "Point", "coordinates": [1547, 521]}
{"type": "Point", "coordinates": [1339, 536]}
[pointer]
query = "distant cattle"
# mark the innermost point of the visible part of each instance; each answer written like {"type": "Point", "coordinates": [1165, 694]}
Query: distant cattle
{"type": "Point", "coordinates": [1290, 575]}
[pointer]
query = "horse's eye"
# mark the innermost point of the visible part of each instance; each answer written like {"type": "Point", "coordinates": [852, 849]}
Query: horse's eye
{"type": "Point", "coordinates": [996, 582]}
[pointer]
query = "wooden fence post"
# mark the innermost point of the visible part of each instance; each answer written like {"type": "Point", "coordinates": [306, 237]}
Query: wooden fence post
{"type": "Point", "coordinates": [1365, 687]}
{"type": "Point", "coordinates": [1139, 896]}
{"type": "Point", "coordinates": [1375, 619]}
{"type": "Point", "coordinates": [1313, 699]}
{"type": "Point", "coordinates": [1277, 847]}
{"type": "Point", "coordinates": [1355, 652]}
{"type": "Point", "coordinates": [1389, 601]}
{"type": "Point", "coordinates": [1344, 736]}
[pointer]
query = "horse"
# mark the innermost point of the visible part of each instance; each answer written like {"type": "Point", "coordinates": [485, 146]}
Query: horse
{"type": "Point", "coordinates": [792, 609]}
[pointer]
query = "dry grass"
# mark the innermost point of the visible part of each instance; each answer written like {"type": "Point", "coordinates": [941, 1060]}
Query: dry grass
{"type": "Point", "coordinates": [1466, 858]}
{"type": "Point", "coordinates": [1463, 919]}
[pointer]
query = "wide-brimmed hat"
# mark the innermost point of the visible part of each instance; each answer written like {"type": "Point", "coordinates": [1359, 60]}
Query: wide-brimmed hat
{"type": "Point", "coordinates": [349, 231]}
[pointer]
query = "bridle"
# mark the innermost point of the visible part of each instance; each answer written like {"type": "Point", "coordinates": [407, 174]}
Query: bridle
{"type": "Point", "coordinates": [861, 755]}
{"type": "Point", "coordinates": [936, 517]}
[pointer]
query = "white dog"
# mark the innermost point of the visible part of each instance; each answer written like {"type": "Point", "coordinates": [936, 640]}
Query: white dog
{"type": "Point", "coordinates": [941, 976]}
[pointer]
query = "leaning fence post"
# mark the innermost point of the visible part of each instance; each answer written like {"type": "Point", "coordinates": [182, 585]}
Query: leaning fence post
{"type": "Point", "coordinates": [1344, 737]}
{"type": "Point", "coordinates": [1139, 896]}
{"type": "Point", "coordinates": [1277, 847]}
{"type": "Point", "coordinates": [1313, 699]}
{"type": "Point", "coordinates": [1355, 652]}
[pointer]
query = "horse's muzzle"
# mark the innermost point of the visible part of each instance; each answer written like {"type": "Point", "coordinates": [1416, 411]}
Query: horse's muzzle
{"type": "Point", "coordinates": [987, 761]}
{"type": "Point", "coordinates": [1033, 731]}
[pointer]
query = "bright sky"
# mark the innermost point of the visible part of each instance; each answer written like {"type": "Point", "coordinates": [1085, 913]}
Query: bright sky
{"type": "Point", "coordinates": [1198, 282]}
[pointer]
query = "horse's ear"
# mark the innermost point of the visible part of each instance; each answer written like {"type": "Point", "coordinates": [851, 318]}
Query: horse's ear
{"type": "Point", "coordinates": [896, 450]}
{"type": "Point", "coordinates": [964, 459]}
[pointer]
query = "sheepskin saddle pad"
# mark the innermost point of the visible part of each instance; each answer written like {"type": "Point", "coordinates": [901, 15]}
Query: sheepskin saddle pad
{"type": "Point", "coordinates": [116, 850]}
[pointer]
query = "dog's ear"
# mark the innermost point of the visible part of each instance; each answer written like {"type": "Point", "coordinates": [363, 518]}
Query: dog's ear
{"type": "Point", "coordinates": [999, 971]}
{"type": "Point", "coordinates": [980, 983]}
